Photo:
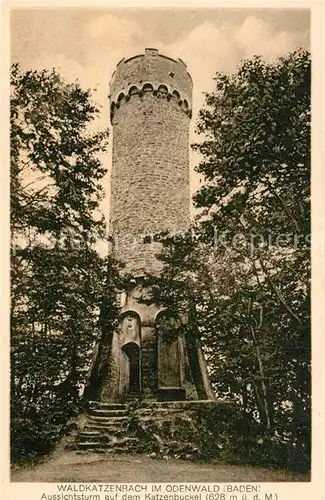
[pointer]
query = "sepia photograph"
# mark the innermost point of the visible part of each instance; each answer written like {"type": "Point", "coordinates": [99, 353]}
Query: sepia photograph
{"type": "Point", "coordinates": [160, 249]}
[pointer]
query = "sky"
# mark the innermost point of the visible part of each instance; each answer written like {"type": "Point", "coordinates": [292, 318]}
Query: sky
{"type": "Point", "coordinates": [86, 44]}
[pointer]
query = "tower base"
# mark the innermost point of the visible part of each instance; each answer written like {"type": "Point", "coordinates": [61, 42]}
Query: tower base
{"type": "Point", "coordinates": [150, 356]}
{"type": "Point", "coordinates": [179, 429]}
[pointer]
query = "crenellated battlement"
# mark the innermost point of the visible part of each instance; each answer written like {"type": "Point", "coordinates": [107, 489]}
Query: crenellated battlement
{"type": "Point", "coordinates": [161, 91]}
{"type": "Point", "coordinates": [165, 77]}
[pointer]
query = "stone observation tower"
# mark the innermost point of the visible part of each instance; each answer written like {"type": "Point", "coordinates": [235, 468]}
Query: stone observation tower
{"type": "Point", "coordinates": [149, 389]}
{"type": "Point", "coordinates": [150, 110]}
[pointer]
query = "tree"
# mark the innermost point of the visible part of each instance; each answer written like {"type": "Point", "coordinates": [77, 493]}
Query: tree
{"type": "Point", "coordinates": [246, 264]}
{"type": "Point", "coordinates": [58, 279]}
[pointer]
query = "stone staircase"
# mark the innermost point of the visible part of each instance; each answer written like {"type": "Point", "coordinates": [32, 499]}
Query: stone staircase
{"type": "Point", "coordinates": [106, 430]}
{"type": "Point", "coordinates": [178, 428]}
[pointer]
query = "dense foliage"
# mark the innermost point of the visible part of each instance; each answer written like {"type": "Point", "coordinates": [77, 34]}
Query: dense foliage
{"type": "Point", "coordinates": [58, 280]}
{"type": "Point", "coordinates": [244, 268]}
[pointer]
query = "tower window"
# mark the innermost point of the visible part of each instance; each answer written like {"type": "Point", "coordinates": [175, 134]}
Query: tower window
{"type": "Point", "coordinates": [133, 90]}
{"type": "Point", "coordinates": [163, 89]}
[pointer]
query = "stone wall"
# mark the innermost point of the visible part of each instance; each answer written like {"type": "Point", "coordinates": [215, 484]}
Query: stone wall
{"type": "Point", "coordinates": [195, 430]}
{"type": "Point", "coordinates": [150, 113]}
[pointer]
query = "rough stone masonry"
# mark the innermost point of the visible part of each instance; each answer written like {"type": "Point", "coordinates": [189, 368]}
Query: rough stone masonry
{"type": "Point", "coordinates": [150, 113]}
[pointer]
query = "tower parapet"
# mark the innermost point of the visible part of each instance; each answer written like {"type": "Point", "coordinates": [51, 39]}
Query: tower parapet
{"type": "Point", "coordinates": [165, 77]}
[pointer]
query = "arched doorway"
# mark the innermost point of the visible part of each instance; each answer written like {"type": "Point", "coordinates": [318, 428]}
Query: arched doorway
{"type": "Point", "coordinates": [133, 353]}
{"type": "Point", "coordinates": [169, 357]}
{"type": "Point", "coordinates": [131, 348]}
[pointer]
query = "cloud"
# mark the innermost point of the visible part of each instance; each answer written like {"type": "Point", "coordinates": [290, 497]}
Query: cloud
{"type": "Point", "coordinates": [256, 37]}
{"type": "Point", "coordinates": [114, 35]}
{"type": "Point", "coordinates": [252, 34]}
{"type": "Point", "coordinates": [206, 43]}
{"type": "Point", "coordinates": [112, 29]}
{"type": "Point", "coordinates": [206, 49]}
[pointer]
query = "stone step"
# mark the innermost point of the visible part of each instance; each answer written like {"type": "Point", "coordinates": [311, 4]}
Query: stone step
{"type": "Point", "coordinates": [105, 426]}
{"type": "Point", "coordinates": [115, 440]}
{"type": "Point", "coordinates": [108, 413]}
{"type": "Point", "coordinates": [86, 438]}
{"type": "Point", "coordinates": [90, 432]}
{"type": "Point", "coordinates": [112, 429]}
{"type": "Point", "coordinates": [105, 438]}
{"type": "Point", "coordinates": [126, 444]}
{"type": "Point", "coordinates": [107, 451]}
{"type": "Point", "coordinates": [107, 420]}
{"type": "Point", "coordinates": [111, 433]}
{"type": "Point", "coordinates": [106, 406]}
